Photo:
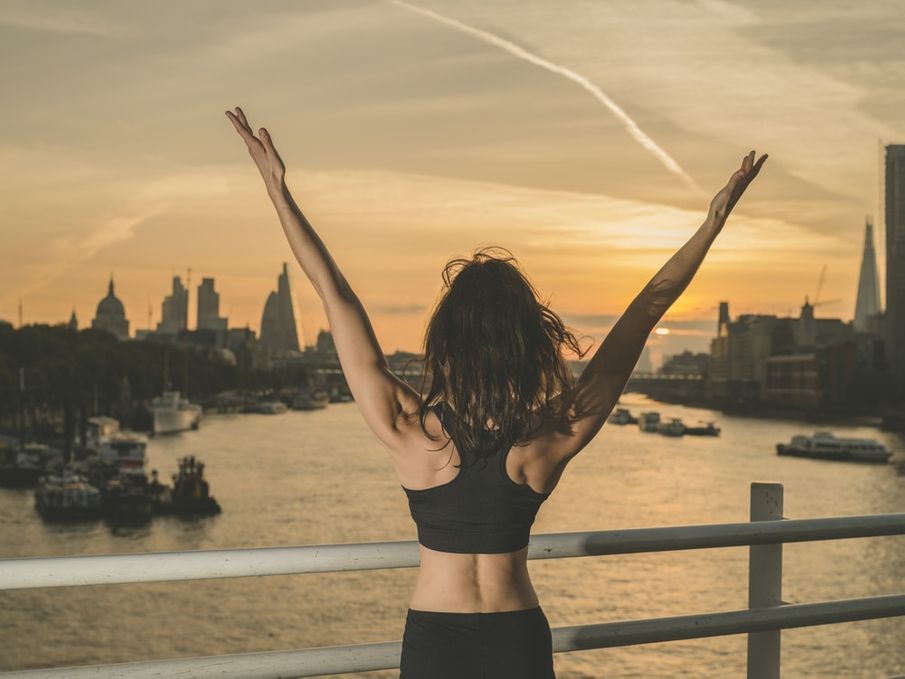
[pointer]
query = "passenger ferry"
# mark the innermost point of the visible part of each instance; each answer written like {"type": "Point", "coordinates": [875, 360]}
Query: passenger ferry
{"type": "Point", "coordinates": [825, 446]}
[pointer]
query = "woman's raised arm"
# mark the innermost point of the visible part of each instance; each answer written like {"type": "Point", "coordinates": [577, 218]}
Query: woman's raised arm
{"type": "Point", "coordinates": [383, 399]}
{"type": "Point", "coordinates": [601, 383]}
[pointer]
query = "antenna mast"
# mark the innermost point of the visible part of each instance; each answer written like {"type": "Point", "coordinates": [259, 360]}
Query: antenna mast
{"type": "Point", "coordinates": [188, 295]}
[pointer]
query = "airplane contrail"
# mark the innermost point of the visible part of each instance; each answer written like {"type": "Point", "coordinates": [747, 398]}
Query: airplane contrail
{"type": "Point", "coordinates": [630, 125]}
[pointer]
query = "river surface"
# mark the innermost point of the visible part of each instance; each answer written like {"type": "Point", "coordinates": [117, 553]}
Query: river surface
{"type": "Point", "coordinates": [322, 477]}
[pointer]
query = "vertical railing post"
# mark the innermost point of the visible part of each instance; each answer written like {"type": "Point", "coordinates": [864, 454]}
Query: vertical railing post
{"type": "Point", "coordinates": [765, 582]}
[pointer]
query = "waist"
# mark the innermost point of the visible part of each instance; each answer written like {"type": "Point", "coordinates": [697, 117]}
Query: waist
{"type": "Point", "coordinates": [473, 583]}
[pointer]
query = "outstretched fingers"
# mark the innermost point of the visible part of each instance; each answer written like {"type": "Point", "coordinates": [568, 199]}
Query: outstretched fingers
{"type": "Point", "coordinates": [759, 164]}
{"type": "Point", "coordinates": [241, 124]}
{"type": "Point", "coordinates": [267, 141]}
{"type": "Point", "coordinates": [241, 128]}
{"type": "Point", "coordinates": [242, 117]}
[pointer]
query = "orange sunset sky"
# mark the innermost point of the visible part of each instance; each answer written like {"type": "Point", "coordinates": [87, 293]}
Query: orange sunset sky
{"type": "Point", "coordinates": [413, 137]}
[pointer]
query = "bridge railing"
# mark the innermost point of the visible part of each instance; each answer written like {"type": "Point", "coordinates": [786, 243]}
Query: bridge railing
{"type": "Point", "coordinates": [762, 621]}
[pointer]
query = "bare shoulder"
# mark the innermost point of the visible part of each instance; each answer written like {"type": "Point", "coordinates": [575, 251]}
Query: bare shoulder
{"type": "Point", "coordinates": [421, 461]}
{"type": "Point", "coordinates": [566, 428]}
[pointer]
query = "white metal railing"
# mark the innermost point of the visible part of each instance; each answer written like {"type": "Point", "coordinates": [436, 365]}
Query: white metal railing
{"type": "Point", "coordinates": [766, 615]}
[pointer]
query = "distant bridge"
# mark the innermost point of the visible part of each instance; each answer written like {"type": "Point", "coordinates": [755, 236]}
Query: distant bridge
{"type": "Point", "coordinates": [683, 386]}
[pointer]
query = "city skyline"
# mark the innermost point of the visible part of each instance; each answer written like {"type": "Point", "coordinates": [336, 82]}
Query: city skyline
{"type": "Point", "coordinates": [403, 160]}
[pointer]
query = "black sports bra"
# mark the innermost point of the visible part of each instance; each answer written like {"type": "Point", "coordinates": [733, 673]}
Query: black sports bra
{"type": "Point", "coordinates": [480, 511]}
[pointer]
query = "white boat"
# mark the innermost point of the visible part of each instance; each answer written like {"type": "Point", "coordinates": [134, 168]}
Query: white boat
{"type": "Point", "coordinates": [649, 421]}
{"type": "Point", "coordinates": [173, 413]}
{"type": "Point", "coordinates": [825, 446]}
{"type": "Point", "coordinates": [675, 427]}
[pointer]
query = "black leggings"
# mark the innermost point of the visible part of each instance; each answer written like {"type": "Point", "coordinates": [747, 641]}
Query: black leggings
{"type": "Point", "coordinates": [499, 645]}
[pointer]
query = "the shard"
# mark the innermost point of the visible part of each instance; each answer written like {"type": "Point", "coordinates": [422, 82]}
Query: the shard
{"type": "Point", "coordinates": [279, 323]}
{"type": "Point", "coordinates": [868, 301]}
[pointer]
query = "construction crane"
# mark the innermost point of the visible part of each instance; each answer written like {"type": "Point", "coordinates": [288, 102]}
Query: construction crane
{"type": "Point", "coordinates": [820, 281]}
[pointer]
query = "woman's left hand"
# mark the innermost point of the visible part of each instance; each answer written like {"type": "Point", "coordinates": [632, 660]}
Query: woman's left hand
{"type": "Point", "coordinates": [261, 150]}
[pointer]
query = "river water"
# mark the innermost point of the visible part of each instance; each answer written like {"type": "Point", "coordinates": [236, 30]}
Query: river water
{"type": "Point", "coordinates": [322, 477]}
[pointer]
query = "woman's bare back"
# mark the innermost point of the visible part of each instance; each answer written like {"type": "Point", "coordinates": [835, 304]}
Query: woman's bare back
{"type": "Point", "coordinates": [471, 583]}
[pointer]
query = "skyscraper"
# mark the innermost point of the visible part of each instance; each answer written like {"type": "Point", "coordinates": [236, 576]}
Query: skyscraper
{"type": "Point", "coordinates": [868, 301]}
{"type": "Point", "coordinates": [279, 323]}
{"type": "Point", "coordinates": [209, 307]}
{"type": "Point", "coordinates": [895, 259]}
{"type": "Point", "coordinates": [175, 311]}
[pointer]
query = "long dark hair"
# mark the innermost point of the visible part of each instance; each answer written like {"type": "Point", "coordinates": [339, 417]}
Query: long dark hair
{"type": "Point", "coordinates": [493, 351]}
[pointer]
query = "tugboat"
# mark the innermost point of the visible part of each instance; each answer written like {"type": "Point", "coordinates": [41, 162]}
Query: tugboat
{"type": "Point", "coordinates": [649, 421]}
{"type": "Point", "coordinates": [67, 496]}
{"type": "Point", "coordinates": [674, 427]}
{"type": "Point", "coordinates": [172, 413]}
{"type": "Point", "coordinates": [22, 466]}
{"type": "Point", "coordinates": [622, 416]}
{"type": "Point", "coordinates": [708, 429]}
{"type": "Point", "coordinates": [190, 494]}
{"type": "Point", "coordinates": [825, 446]}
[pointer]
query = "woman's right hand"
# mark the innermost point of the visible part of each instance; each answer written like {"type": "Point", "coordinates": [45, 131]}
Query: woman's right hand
{"type": "Point", "coordinates": [725, 200]}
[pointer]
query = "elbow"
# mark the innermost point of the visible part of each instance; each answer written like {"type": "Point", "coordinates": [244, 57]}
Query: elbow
{"type": "Point", "coordinates": [655, 300]}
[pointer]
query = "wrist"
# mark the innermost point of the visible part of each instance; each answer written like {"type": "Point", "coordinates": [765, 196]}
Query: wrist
{"type": "Point", "coordinates": [276, 188]}
{"type": "Point", "coordinates": [713, 223]}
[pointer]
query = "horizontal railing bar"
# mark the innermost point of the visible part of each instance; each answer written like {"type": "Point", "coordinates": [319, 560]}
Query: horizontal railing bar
{"type": "Point", "coordinates": [106, 569]}
{"type": "Point", "coordinates": [327, 660]}
{"type": "Point", "coordinates": [703, 536]}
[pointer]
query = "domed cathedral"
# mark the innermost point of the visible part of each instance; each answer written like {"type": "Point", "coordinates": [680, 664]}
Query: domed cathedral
{"type": "Point", "coordinates": [111, 315]}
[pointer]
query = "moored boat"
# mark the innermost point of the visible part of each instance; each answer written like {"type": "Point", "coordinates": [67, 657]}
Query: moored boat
{"type": "Point", "coordinates": [67, 496]}
{"type": "Point", "coordinates": [125, 451]}
{"type": "Point", "coordinates": [674, 427]}
{"type": "Point", "coordinates": [98, 429]}
{"type": "Point", "coordinates": [22, 466]}
{"type": "Point", "coordinates": [311, 399]}
{"type": "Point", "coordinates": [708, 429]}
{"type": "Point", "coordinates": [173, 413]}
{"type": "Point", "coordinates": [649, 421]}
{"type": "Point", "coordinates": [127, 499]}
{"type": "Point", "coordinates": [622, 416]}
{"type": "Point", "coordinates": [266, 407]}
